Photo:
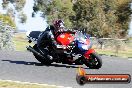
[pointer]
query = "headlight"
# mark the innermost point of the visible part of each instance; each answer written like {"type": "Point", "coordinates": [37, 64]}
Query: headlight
{"type": "Point", "coordinates": [85, 47]}
{"type": "Point", "coordinates": [82, 40]}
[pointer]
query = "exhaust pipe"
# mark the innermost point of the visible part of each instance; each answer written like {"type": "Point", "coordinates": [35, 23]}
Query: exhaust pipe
{"type": "Point", "coordinates": [29, 48]}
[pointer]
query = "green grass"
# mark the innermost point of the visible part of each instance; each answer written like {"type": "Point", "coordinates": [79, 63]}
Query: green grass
{"type": "Point", "coordinates": [20, 45]}
{"type": "Point", "coordinates": [10, 84]}
{"type": "Point", "coordinates": [20, 42]}
{"type": "Point", "coordinates": [124, 54]}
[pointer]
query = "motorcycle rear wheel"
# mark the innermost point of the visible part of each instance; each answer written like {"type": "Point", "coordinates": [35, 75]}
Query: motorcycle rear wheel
{"type": "Point", "coordinates": [94, 61]}
{"type": "Point", "coordinates": [43, 60]}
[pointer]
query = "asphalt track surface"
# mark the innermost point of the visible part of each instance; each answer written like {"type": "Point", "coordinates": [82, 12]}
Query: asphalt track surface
{"type": "Point", "coordinates": [22, 66]}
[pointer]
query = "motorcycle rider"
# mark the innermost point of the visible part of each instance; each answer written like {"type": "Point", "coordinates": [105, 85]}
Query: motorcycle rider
{"type": "Point", "coordinates": [49, 34]}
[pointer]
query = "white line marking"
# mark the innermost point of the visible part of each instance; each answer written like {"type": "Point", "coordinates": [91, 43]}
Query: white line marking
{"type": "Point", "coordinates": [35, 83]}
{"type": "Point", "coordinates": [129, 59]}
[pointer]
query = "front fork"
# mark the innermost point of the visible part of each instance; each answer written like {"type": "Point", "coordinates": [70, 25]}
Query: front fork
{"type": "Point", "coordinates": [87, 53]}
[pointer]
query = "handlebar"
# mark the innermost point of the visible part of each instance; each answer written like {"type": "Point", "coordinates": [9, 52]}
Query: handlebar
{"type": "Point", "coordinates": [72, 32]}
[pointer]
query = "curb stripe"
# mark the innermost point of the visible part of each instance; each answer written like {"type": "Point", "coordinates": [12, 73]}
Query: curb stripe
{"type": "Point", "coordinates": [35, 83]}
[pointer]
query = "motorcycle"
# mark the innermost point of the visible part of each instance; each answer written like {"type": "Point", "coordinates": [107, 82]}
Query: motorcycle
{"type": "Point", "coordinates": [74, 48]}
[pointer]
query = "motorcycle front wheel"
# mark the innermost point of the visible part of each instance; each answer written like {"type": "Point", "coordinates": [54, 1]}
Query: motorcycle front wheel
{"type": "Point", "coordinates": [94, 61]}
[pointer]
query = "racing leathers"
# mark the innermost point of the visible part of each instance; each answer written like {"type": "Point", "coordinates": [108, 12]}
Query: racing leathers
{"type": "Point", "coordinates": [47, 35]}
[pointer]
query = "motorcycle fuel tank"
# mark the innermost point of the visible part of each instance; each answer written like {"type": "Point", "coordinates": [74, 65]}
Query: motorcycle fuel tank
{"type": "Point", "coordinates": [65, 38]}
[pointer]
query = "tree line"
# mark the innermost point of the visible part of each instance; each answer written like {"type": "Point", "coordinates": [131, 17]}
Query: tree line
{"type": "Point", "coordinates": [100, 18]}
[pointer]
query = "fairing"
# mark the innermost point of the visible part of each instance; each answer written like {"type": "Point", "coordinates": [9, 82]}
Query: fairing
{"type": "Point", "coordinates": [65, 38]}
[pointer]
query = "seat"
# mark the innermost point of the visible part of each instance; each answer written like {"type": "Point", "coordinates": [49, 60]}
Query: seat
{"type": "Point", "coordinates": [34, 34]}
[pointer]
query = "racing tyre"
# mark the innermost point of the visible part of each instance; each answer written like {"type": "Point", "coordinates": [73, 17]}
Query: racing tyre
{"type": "Point", "coordinates": [94, 61]}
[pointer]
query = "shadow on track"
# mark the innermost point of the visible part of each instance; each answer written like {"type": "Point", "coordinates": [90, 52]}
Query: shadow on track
{"type": "Point", "coordinates": [39, 64]}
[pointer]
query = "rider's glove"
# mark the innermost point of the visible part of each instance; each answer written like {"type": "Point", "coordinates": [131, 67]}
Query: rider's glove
{"type": "Point", "coordinates": [61, 46]}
